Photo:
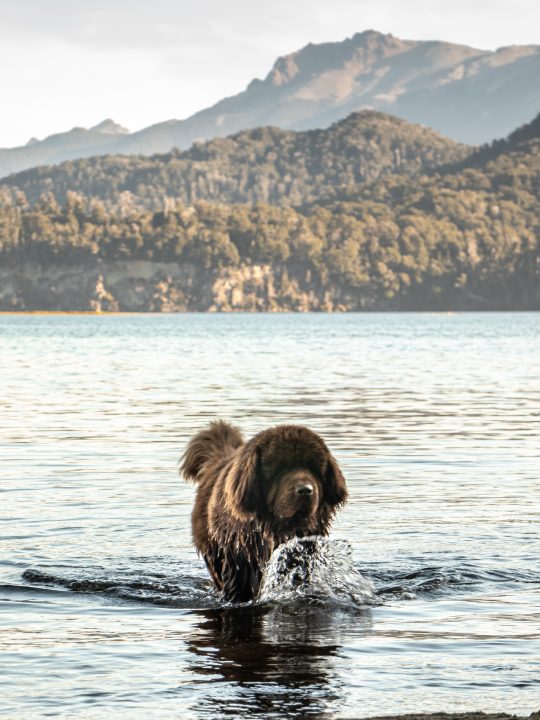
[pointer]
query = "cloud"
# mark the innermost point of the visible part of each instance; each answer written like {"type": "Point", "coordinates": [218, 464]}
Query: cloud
{"type": "Point", "coordinates": [136, 23]}
{"type": "Point", "coordinates": [74, 62]}
{"type": "Point", "coordinates": [166, 24]}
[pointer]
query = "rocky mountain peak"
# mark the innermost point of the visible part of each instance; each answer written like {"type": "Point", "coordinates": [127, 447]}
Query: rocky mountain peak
{"type": "Point", "coordinates": [365, 48]}
{"type": "Point", "coordinates": [109, 127]}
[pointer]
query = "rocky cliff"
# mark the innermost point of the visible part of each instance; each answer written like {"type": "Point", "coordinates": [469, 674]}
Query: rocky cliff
{"type": "Point", "coordinates": [143, 286]}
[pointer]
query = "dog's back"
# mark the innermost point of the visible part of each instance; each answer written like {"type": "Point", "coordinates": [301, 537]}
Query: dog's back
{"type": "Point", "coordinates": [205, 456]}
{"type": "Point", "coordinates": [209, 446]}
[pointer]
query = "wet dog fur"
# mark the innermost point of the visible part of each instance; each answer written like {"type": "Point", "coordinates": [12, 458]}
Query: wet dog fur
{"type": "Point", "coordinates": [252, 496]}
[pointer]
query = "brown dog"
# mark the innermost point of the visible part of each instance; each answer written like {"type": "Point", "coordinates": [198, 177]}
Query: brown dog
{"type": "Point", "coordinates": [253, 496]}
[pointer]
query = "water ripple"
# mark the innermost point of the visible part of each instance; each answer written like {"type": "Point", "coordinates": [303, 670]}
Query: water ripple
{"type": "Point", "coordinates": [106, 608]}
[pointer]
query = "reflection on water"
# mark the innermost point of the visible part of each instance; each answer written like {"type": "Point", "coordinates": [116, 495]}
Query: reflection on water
{"type": "Point", "coordinates": [105, 606]}
{"type": "Point", "coordinates": [275, 663]}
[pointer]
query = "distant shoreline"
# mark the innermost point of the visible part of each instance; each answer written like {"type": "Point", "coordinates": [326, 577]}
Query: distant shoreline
{"type": "Point", "coordinates": [154, 313]}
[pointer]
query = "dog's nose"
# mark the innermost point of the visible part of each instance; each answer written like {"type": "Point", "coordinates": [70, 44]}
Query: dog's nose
{"type": "Point", "coordinates": [304, 489]}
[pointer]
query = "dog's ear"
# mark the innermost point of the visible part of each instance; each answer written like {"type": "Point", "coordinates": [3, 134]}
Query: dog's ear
{"type": "Point", "coordinates": [242, 489]}
{"type": "Point", "coordinates": [335, 488]}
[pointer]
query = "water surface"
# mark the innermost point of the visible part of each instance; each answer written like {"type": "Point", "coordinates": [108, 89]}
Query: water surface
{"type": "Point", "coordinates": [105, 606]}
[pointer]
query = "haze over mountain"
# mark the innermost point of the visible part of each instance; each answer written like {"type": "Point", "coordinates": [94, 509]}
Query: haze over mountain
{"type": "Point", "coordinates": [467, 94]}
{"type": "Point", "coordinates": [76, 143]}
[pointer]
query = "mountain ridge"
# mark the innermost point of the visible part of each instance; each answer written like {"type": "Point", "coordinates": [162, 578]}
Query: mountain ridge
{"type": "Point", "coordinates": [265, 164]}
{"type": "Point", "coordinates": [75, 143]}
{"type": "Point", "coordinates": [467, 94]}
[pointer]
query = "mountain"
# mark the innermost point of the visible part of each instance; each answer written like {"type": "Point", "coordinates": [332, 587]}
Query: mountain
{"type": "Point", "coordinates": [467, 94]}
{"type": "Point", "coordinates": [76, 143]}
{"type": "Point", "coordinates": [267, 165]}
{"type": "Point", "coordinates": [463, 237]}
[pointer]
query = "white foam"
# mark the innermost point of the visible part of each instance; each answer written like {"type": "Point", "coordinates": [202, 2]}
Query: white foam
{"type": "Point", "coordinates": [315, 570]}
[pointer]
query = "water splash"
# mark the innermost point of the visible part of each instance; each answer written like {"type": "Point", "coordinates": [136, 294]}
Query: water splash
{"type": "Point", "coordinates": [314, 570]}
{"type": "Point", "coordinates": [317, 571]}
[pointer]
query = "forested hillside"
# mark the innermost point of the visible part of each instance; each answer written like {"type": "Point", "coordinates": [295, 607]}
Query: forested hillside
{"type": "Point", "coordinates": [465, 238]}
{"type": "Point", "coordinates": [266, 165]}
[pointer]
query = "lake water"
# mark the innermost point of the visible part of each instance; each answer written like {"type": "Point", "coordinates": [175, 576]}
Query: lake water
{"type": "Point", "coordinates": [105, 607]}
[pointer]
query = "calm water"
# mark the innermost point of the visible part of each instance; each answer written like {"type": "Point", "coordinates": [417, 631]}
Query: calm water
{"type": "Point", "coordinates": [104, 606]}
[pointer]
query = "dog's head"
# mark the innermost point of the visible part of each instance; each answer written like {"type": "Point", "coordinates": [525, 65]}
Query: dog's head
{"type": "Point", "coordinates": [286, 477]}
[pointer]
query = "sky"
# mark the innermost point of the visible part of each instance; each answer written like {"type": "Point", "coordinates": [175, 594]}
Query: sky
{"type": "Point", "coordinates": [67, 63]}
